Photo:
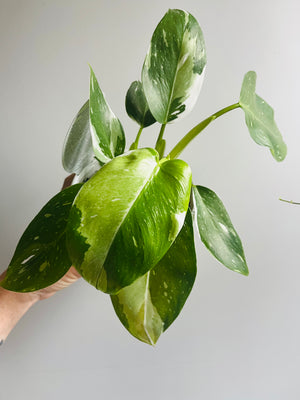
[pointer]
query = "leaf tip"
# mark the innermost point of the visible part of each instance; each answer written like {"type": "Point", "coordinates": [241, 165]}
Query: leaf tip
{"type": "Point", "coordinates": [279, 154]}
{"type": "Point", "coordinates": [92, 73]}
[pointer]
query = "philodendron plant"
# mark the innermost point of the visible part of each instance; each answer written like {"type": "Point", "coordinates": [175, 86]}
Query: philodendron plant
{"type": "Point", "coordinates": [126, 223]}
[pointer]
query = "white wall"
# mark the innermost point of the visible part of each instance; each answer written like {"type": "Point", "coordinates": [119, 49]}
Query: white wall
{"type": "Point", "coordinates": [237, 338]}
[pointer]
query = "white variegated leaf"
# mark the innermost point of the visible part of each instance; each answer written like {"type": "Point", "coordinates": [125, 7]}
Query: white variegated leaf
{"type": "Point", "coordinates": [217, 232]}
{"type": "Point", "coordinates": [259, 117]}
{"type": "Point", "coordinates": [108, 137]}
{"type": "Point", "coordinates": [78, 149]}
{"type": "Point", "coordinates": [151, 304]}
{"type": "Point", "coordinates": [126, 217]}
{"type": "Point", "coordinates": [174, 66]}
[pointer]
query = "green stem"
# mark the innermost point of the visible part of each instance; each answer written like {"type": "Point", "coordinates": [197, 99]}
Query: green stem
{"type": "Point", "coordinates": [289, 201]}
{"type": "Point", "coordinates": [180, 146]}
{"type": "Point", "coordinates": [161, 143]}
{"type": "Point", "coordinates": [136, 142]}
{"type": "Point", "coordinates": [161, 134]}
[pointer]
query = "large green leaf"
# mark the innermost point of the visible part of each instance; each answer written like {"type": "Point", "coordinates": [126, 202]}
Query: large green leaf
{"type": "Point", "coordinates": [260, 118]}
{"type": "Point", "coordinates": [126, 217]}
{"type": "Point", "coordinates": [150, 304]}
{"type": "Point", "coordinates": [41, 257]}
{"type": "Point", "coordinates": [137, 107]}
{"type": "Point", "coordinates": [107, 132]}
{"type": "Point", "coordinates": [78, 150]}
{"type": "Point", "coordinates": [217, 232]}
{"type": "Point", "coordinates": [174, 66]}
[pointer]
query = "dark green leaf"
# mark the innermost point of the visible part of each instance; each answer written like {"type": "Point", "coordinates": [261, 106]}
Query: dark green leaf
{"type": "Point", "coordinates": [217, 232]}
{"type": "Point", "coordinates": [174, 66]}
{"type": "Point", "coordinates": [137, 107]}
{"type": "Point", "coordinates": [78, 149]}
{"type": "Point", "coordinates": [126, 217]}
{"type": "Point", "coordinates": [107, 133]}
{"type": "Point", "coordinates": [41, 257]}
{"type": "Point", "coordinates": [151, 304]}
{"type": "Point", "coordinates": [260, 118]}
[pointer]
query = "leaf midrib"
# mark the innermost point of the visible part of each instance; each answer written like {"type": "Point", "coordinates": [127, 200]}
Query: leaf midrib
{"type": "Point", "coordinates": [139, 193]}
{"type": "Point", "coordinates": [174, 79]}
{"type": "Point", "coordinates": [254, 116]}
{"type": "Point", "coordinates": [146, 298]}
{"type": "Point", "coordinates": [214, 224]}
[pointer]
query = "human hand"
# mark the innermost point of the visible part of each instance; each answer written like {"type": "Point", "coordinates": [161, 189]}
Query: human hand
{"type": "Point", "coordinates": [14, 305]}
{"type": "Point", "coordinates": [70, 277]}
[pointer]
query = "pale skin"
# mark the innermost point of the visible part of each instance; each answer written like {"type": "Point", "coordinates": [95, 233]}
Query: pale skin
{"type": "Point", "coordinates": [14, 305]}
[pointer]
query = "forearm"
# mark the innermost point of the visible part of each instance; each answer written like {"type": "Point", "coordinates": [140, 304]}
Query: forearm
{"type": "Point", "coordinates": [12, 307]}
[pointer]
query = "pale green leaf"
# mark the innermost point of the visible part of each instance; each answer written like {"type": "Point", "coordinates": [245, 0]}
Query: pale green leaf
{"type": "Point", "coordinates": [216, 230]}
{"type": "Point", "coordinates": [137, 107]}
{"type": "Point", "coordinates": [78, 151]}
{"type": "Point", "coordinates": [107, 132]}
{"type": "Point", "coordinates": [41, 257]}
{"type": "Point", "coordinates": [126, 217]}
{"type": "Point", "coordinates": [260, 118]}
{"type": "Point", "coordinates": [151, 304]}
{"type": "Point", "coordinates": [174, 66]}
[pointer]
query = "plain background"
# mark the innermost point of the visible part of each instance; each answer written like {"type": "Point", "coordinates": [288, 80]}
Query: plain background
{"type": "Point", "coordinates": [237, 338]}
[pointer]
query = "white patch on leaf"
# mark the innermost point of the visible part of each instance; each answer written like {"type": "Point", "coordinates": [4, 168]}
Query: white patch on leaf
{"type": "Point", "coordinates": [27, 259]}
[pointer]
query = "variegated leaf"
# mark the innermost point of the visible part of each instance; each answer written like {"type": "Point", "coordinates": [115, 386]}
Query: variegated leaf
{"type": "Point", "coordinates": [174, 66]}
{"type": "Point", "coordinates": [217, 232]}
{"type": "Point", "coordinates": [126, 217]}
{"type": "Point", "coordinates": [151, 304]}
{"type": "Point", "coordinates": [260, 118]}
{"type": "Point", "coordinates": [41, 257]}
{"type": "Point", "coordinates": [107, 132]}
{"type": "Point", "coordinates": [78, 151]}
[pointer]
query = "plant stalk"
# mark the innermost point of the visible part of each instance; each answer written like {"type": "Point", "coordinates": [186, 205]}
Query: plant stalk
{"type": "Point", "coordinates": [290, 201]}
{"type": "Point", "coordinates": [161, 143]}
{"type": "Point", "coordinates": [184, 142]}
{"type": "Point", "coordinates": [136, 142]}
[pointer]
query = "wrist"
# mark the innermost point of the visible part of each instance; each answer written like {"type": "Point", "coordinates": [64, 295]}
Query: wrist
{"type": "Point", "coordinates": [12, 307]}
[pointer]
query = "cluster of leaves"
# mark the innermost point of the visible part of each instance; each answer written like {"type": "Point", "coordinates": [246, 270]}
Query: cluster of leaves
{"type": "Point", "coordinates": [127, 224]}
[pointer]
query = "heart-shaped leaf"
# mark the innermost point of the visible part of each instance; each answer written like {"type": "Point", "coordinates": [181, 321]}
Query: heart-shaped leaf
{"type": "Point", "coordinates": [151, 304]}
{"type": "Point", "coordinates": [41, 257]}
{"type": "Point", "coordinates": [107, 132]}
{"type": "Point", "coordinates": [174, 66]}
{"type": "Point", "coordinates": [217, 232]}
{"type": "Point", "coordinates": [126, 217]}
{"type": "Point", "coordinates": [260, 118]}
{"type": "Point", "coordinates": [136, 105]}
{"type": "Point", "coordinates": [78, 151]}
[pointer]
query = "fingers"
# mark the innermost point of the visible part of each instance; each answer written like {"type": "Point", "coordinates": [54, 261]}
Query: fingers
{"type": "Point", "coordinates": [68, 181]}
